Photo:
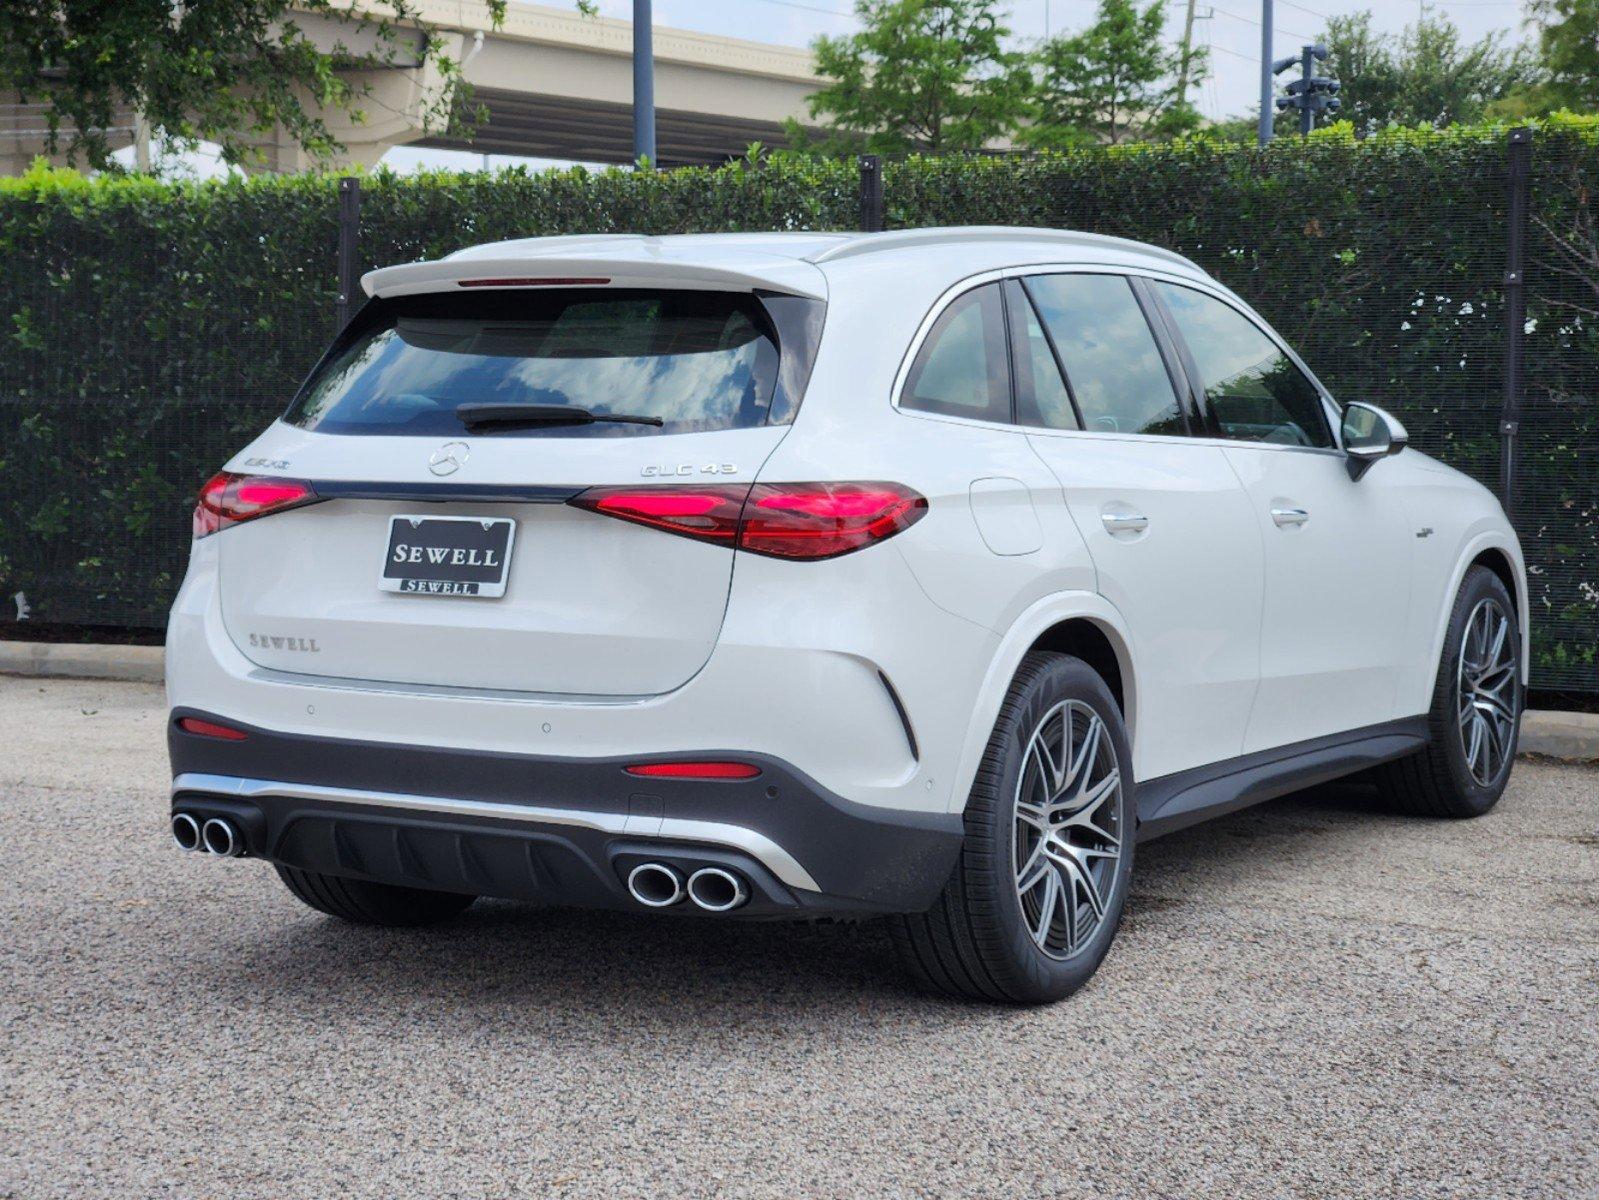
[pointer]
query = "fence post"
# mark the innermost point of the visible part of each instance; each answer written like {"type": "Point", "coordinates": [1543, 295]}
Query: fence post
{"type": "Point", "coordinates": [349, 240]}
{"type": "Point", "coordinates": [1519, 155]}
{"type": "Point", "coordinates": [871, 193]}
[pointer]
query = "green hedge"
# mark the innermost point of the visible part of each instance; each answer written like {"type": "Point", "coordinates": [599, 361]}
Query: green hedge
{"type": "Point", "coordinates": [149, 329]}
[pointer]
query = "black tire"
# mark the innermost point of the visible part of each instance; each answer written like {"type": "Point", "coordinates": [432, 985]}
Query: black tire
{"type": "Point", "coordinates": [367, 903]}
{"type": "Point", "coordinates": [977, 941]}
{"type": "Point", "coordinates": [1438, 781]}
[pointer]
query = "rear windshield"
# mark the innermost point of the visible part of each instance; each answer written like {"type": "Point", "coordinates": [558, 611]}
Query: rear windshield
{"type": "Point", "coordinates": [696, 360]}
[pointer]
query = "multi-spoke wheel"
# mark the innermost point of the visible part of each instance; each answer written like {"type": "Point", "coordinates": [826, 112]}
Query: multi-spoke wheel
{"type": "Point", "coordinates": [1487, 690]}
{"type": "Point", "coordinates": [1475, 713]}
{"type": "Point", "coordinates": [1034, 902]}
{"type": "Point", "coordinates": [1068, 827]}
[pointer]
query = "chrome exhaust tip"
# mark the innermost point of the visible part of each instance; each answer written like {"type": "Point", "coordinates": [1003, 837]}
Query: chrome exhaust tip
{"type": "Point", "coordinates": [716, 890]}
{"type": "Point", "coordinates": [655, 885]}
{"type": "Point", "coordinates": [185, 831]}
{"type": "Point", "coordinates": [221, 838]}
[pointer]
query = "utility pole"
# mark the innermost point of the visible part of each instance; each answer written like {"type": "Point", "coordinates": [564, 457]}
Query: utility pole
{"type": "Point", "coordinates": [1267, 112]}
{"type": "Point", "coordinates": [1188, 50]}
{"type": "Point", "coordinates": [643, 82]}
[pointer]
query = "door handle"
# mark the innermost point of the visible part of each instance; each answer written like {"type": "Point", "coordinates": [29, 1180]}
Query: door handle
{"type": "Point", "coordinates": [1123, 520]}
{"type": "Point", "coordinates": [1289, 516]}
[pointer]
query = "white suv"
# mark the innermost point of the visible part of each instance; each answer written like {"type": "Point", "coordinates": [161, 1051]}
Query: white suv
{"type": "Point", "coordinates": [919, 573]}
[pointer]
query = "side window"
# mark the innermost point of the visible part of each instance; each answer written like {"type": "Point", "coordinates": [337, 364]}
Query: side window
{"type": "Point", "coordinates": [962, 369]}
{"type": "Point", "coordinates": [1113, 364]}
{"type": "Point", "coordinates": [1041, 395]}
{"type": "Point", "coordinates": [1253, 390]}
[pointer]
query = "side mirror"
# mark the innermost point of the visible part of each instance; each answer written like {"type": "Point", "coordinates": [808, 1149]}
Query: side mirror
{"type": "Point", "coordinates": [1369, 434]}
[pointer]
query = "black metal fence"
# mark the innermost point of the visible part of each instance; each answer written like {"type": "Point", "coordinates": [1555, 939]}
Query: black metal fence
{"type": "Point", "coordinates": [146, 332]}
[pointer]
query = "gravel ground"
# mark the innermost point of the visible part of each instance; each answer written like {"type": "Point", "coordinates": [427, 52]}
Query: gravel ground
{"type": "Point", "coordinates": [1308, 999]}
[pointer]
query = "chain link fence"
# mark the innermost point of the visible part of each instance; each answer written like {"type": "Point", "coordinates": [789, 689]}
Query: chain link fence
{"type": "Point", "coordinates": [147, 331]}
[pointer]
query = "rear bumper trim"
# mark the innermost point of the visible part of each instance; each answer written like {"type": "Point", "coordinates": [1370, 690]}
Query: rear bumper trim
{"type": "Point", "coordinates": [714, 833]}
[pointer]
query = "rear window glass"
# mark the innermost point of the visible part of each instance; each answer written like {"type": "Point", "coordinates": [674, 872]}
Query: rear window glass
{"type": "Point", "coordinates": [696, 360]}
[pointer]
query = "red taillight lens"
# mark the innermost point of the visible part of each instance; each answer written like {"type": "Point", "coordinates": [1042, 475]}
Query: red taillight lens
{"type": "Point", "coordinates": [695, 770]}
{"type": "Point", "coordinates": [824, 520]}
{"type": "Point", "coordinates": [782, 520]}
{"type": "Point", "coordinates": [211, 729]}
{"type": "Point", "coordinates": [708, 513]}
{"type": "Point", "coordinates": [227, 499]}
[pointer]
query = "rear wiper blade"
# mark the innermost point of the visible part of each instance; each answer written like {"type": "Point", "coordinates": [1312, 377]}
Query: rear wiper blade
{"type": "Point", "coordinates": [478, 416]}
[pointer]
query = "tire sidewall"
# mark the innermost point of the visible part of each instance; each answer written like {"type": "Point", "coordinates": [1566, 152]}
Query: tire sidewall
{"type": "Point", "coordinates": [1033, 974]}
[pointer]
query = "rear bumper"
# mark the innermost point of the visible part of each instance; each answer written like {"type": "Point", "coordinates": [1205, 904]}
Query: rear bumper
{"type": "Point", "coordinates": [555, 830]}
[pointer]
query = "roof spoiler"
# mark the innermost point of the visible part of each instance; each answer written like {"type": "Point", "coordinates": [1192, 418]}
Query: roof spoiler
{"type": "Point", "coordinates": [792, 277]}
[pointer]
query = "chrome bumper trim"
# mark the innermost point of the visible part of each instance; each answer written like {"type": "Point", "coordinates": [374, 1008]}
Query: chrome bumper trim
{"type": "Point", "coordinates": [772, 856]}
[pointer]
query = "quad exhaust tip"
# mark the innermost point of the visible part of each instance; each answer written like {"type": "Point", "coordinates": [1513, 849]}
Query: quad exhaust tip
{"type": "Point", "coordinates": [221, 838]}
{"type": "Point", "coordinates": [655, 885]}
{"type": "Point", "coordinates": [185, 831]}
{"type": "Point", "coordinates": [716, 890]}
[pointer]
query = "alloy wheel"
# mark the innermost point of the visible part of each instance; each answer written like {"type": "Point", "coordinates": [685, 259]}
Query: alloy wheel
{"type": "Point", "coordinates": [1067, 840]}
{"type": "Point", "coordinates": [1487, 691]}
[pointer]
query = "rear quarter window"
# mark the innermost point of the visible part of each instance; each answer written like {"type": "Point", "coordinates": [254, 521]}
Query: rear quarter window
{"type": "Point", "coordinates": [698, 361]}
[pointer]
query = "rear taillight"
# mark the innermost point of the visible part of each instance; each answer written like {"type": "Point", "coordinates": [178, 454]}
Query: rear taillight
{"type": "Point", "coordinates": [227, 499]}
{"type": "Point", "coordinates": [781, 520]}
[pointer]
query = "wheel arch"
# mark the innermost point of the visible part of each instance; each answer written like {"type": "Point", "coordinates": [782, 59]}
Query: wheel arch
{"type": "Point", "coordinates": [1082, 624]}
{"type": "Point", "coordinates": [1498, 551]}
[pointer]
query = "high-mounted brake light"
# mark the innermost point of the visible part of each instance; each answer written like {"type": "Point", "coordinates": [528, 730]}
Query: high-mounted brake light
{"type": "Point", "coordinates": [804, 521]}
{"type": "Point", "coordinates": [528, 281]}
{"type": "Point", "coordinates": [695, 770]}
{"type": "Point", "coordinates": [228, 499]}
{"type": "Point", "coordinates": [211, 729]}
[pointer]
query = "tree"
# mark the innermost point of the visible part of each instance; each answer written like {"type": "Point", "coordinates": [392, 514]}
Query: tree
{"type": "Point", "coordinates": [921, 75]}
{"type": "Point", "coordinates": [1429, 77]}
{"type": "Point", "coordinates": [224, 71]}
{"type": "Point", "coordinates": [1114, 81]}
{"type": "Point", "coordinates": [1568, 42]}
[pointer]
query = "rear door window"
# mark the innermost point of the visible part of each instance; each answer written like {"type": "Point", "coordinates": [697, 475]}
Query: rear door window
{"type": "Point", "coordinates": [1112, 361]}
{"type": "Point", "coordinates": [697, 360]}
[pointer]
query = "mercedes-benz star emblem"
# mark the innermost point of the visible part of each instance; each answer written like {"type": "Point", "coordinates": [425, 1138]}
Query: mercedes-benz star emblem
{"type": "Point", "coordinates": [449, 458]}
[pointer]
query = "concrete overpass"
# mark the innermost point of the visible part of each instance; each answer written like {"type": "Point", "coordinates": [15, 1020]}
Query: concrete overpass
{"type": "Point", "coordinates": [556, 85]}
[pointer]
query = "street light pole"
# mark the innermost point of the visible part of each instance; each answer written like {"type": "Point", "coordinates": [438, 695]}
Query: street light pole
{"type": "Point", "coordinates": [643, 82]}
{"type": "Point", "coordinates": [1268, 108]}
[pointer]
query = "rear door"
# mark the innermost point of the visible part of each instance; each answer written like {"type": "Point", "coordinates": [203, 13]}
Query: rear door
{"type": "Point", "coordinates": [450, 554]}
{"type": "Point", "coordinates": [1337, 551]}
{"type": "Point", "coordinates": [1169, 528]}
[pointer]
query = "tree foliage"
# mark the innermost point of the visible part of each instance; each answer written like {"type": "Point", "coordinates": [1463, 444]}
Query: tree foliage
{"type": "Point", "coordinates": [1114, 81]}
{"type": "Point", "coordinates": [1568, 44]}
{"type": "Point", "coordinates": [222, 71]}
{"type": "Point", "coordinates": [922, 75]}
{"type": "Point", "coordinates": [1428, 76]}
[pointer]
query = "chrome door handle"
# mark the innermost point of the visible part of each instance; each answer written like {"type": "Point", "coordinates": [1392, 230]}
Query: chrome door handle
{"type": "Point", "coordinates": [1123, 521]}
{"type": "Point", "coordinates": [1290, 516]}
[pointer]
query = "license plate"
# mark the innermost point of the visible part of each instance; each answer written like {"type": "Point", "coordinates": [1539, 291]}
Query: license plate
{"type": "Point", "coordinates": [447, 556]}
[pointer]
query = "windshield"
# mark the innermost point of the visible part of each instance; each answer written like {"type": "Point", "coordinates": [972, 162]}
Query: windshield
{"type": "Point", "coordinates": [697, 360]}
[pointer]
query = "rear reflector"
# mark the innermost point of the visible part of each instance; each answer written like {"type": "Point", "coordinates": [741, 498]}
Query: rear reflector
{"type": "Point", "coordinates": [228, 499]}
{"type": "Point", "coordinates": [695, 770]}
{"type": "Point", "coordinates": [210, 729]}
{"type": "Point", "coordinates": [522, 281]}
{"type": "Point", "coordinates": [781, 520]}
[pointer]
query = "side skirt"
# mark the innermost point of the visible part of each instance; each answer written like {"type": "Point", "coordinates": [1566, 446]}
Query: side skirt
{"type": "Point", "coordinates": [1176, 801]}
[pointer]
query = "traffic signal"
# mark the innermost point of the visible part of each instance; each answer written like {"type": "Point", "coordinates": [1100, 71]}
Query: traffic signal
{"type": "Point", "coordinates": [1310, 93]}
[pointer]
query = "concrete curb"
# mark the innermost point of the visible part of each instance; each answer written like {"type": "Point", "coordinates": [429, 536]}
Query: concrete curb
{"type": "Point", "coordinates": [1567, 736]}
{"type": "Point", "coordinates": [61, 660]}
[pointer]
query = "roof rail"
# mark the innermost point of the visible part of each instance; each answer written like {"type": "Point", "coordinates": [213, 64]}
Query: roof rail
{"type": "Point", "coordinates": [871, 243]}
